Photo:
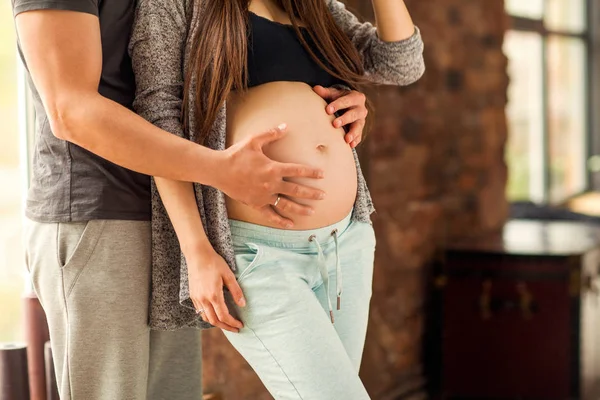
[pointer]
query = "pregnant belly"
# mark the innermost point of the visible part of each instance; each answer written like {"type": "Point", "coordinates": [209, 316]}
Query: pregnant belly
{"type": "Point", "coordinates": [310, 139]}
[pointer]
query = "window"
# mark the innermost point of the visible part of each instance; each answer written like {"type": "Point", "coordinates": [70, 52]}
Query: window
{"type": "Point", "coordinates": [12, 271]}
{"type": "Point", "coordinates": [548, 108]}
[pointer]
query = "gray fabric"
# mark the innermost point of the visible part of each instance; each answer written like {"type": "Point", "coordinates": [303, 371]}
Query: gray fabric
{"type": "Point", "coordinates": [93, 280]}
{"type": "Point", "coordinates": [160, 51]}
{"type": "Point", "coordinates": [69, 183]}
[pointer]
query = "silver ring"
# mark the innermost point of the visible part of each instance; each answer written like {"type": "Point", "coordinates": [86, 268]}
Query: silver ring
{"type": "Point", "coordinates": [277, 201]}
{"type": "Point", "coordinates": [200, 311]}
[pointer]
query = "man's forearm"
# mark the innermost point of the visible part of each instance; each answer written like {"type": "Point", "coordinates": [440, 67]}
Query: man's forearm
{"type": "Point", "coordinates": [117, 134]}
{"type": "Point", "coordinates": [393, 20]}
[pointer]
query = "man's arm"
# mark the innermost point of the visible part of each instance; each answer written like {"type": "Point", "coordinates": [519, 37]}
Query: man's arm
{"type": "Point", "coordinates": [64, 56]}
{"type": "Point", "coordinates": [63, 53]}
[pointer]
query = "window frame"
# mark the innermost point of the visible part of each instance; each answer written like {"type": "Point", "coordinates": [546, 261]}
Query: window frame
{"type": "Point", "coordinates": [594, 85]}
{"type": "Point", "coordinates": [591, 40]}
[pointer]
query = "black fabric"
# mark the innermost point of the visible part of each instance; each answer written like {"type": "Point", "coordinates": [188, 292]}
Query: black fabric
{"type": "Point", "coordinates": [275, 53]}
{"type": "Point", "coordinates": [69, 183]}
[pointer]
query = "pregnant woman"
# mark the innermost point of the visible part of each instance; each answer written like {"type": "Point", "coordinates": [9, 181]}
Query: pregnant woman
{"type": "Point", "coordinates": [235, 67]}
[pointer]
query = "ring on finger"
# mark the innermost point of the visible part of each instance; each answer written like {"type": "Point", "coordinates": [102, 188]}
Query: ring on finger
{"type": "Point", "coordinates": [277, 200]}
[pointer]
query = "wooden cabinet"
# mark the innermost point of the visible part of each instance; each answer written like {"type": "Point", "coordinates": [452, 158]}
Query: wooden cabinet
{"type": "Point", "coordinates": [517, 315]}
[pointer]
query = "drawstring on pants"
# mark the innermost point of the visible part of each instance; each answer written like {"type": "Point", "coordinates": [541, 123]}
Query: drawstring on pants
{"type": "Point", "coordinates": [321, 262]}
{"type": "Point", "coordinates": [338, 269]}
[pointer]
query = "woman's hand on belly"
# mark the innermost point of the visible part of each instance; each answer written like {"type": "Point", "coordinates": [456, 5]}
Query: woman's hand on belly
{"type": "Point", "coordinates": [311, 140]}
{"type": "Point", "coordinates": [257, 181]}
{"type": "Point", "coordinates": [332, 155]}
{"type": "Point", "coordinates": [353, 105]}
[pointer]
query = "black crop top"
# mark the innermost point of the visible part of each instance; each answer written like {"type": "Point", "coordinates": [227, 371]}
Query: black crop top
{"type": "Point", "coordinates": [276, 54]}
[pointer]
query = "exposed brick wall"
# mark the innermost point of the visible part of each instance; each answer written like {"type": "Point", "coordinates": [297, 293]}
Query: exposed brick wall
{"type": "Point", "coordinates": [435, 163]}
{"type": "Point", "coordinates": [436, 171]}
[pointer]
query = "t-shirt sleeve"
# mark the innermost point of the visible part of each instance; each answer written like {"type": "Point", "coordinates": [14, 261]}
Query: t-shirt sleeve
{"type": "Point", "coordinates": [86, 6]}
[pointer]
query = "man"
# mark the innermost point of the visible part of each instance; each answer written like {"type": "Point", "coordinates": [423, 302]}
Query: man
{"type": "Point", "coordinates": [88, 239]}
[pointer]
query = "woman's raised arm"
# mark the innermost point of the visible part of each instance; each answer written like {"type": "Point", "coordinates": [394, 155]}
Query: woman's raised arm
{"type": "Point", "coordinates": [392, 53]}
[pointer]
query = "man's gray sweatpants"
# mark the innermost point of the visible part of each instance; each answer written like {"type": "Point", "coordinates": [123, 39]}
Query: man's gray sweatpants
{"type": "Point", "coordinates": [93, 280]}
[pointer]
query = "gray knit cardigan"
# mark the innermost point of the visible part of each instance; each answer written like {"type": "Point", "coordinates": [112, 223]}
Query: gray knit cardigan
{"type": "Point", "coordinates": [160, 49]}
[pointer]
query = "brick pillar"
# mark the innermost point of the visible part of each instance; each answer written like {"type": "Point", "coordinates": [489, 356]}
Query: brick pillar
{"type": "Point", "coordinates": [436, 170]}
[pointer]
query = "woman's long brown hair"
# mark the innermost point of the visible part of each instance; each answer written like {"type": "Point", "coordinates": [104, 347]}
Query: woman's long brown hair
{"type": "Point", "coordinates": [219, 53]}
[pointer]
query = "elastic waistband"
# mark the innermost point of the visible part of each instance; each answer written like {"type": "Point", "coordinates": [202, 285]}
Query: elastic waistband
{"type": "Point", "coordinates": [248, 232]}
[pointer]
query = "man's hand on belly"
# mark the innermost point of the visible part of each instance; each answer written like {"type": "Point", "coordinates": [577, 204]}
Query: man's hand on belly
{"type": "Point", "coordinates": [353, 104]}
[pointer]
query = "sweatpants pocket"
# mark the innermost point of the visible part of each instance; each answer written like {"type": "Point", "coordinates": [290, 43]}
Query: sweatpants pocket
{"type": "Point", "coordinates": [76, 241]}
{"type": "Point", "coordinates": [247, 260]}
{"type": "Point", "coordinates": [75, 244]}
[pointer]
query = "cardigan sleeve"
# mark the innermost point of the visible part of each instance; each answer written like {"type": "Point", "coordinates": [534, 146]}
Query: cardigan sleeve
{"type": "Point", "coordinates": [391, 63]}
{"type": "Point", "coordinates": [157, 49]}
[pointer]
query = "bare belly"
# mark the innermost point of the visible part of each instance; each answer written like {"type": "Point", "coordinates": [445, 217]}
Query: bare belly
{"type": "Point", "coordinates": [310, 139]}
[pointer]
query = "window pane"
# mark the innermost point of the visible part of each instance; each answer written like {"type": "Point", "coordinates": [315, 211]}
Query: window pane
{"type": "Point", "coordinates": [525, 116]}
{"type": "Point", "coordinates": [526, 8]}
{"type": "Point", "coordinates": [11, 252]}
{"type": "Point", "coordinates": [566, 15]}
{"type": "Point", "coordinates": [567, 116]}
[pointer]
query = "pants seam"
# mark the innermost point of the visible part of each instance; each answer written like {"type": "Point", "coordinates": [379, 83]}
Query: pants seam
{"type": "Point", "coordinates": [68, 339]}
{"type": "Point", "coordinates": [276, 362]}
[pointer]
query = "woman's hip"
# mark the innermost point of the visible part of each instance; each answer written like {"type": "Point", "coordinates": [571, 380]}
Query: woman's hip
{"type": "Point", "coordinates": [342, 242]}
{"type": "Point", "coordinates": [276, 267]}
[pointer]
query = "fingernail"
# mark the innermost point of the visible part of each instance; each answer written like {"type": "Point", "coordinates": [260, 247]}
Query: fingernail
{"type": "Point", "coordinates": [337, 123]}
{"type": "Point", "coordinates": [243, 302]}
{"type": "Point", "coordinates": [281, 126]}
{"type": "Point", "coordinates": [349, 138]}
{"type": "Point", "coordinates": [289, 226]}
{"type": "Point", "coordinates": [311, 212]}
{"type": "Point", "coordinates": [330, 109]}
{"type": "Point", "coordinates": [321, 196]}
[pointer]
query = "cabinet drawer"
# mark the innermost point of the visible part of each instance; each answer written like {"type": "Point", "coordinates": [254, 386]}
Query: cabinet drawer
{"type": "Point", "coordinates": [507, 338]}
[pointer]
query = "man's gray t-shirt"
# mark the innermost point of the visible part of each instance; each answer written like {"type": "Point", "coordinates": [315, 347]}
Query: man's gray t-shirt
{"type": "Point", "coordinates": [68, 182]}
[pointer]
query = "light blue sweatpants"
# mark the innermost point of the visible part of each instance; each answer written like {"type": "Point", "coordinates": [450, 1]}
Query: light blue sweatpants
{"type": "Point", "coordinates": [291, 281]}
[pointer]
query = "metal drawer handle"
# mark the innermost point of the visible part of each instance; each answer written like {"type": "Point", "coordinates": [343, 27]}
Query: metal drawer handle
{"type": "Point", "coordinates": [525, 300]}
{"type": "Point", "coordinates": [488, 304]}
{"type": "Point", "coordinates": [485, 300]}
